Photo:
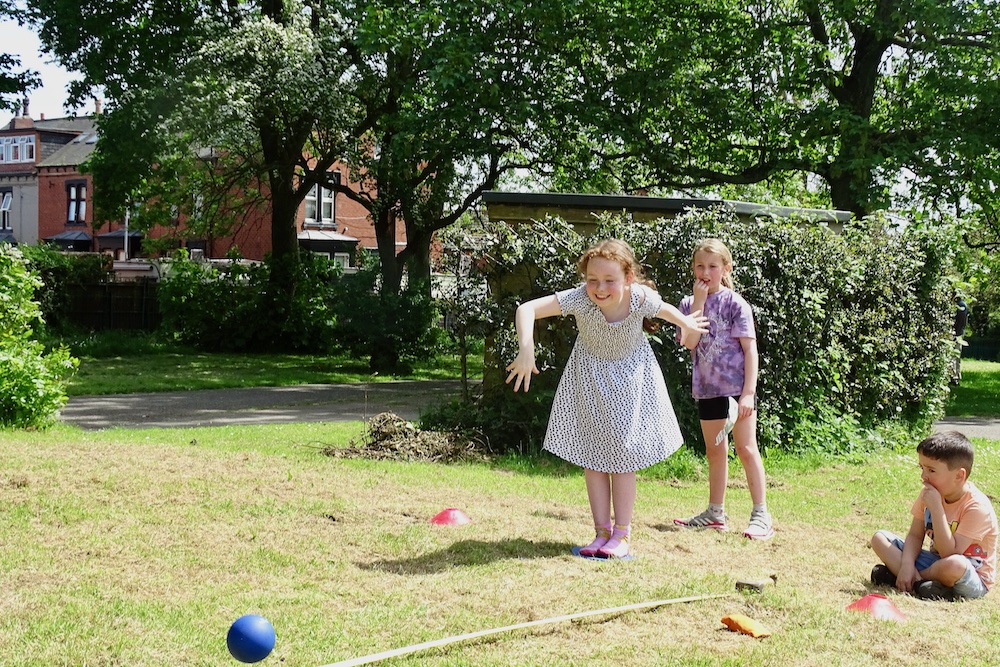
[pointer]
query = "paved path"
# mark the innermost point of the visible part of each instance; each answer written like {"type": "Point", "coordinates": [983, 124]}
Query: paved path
{"type": "Point", "coordinates": [312, 403]}
{"type": "Point", "coordinates": [259, 405]}
{"type": "Point", "coordinates": [973, 427]}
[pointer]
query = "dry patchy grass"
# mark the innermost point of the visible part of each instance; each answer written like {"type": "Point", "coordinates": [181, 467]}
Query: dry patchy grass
{"type": "Point", "coordinates": [117, 550]}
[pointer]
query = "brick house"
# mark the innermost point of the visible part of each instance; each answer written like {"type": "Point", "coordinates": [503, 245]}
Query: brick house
{"type": "Point", "coordinates": [44, 196]}
{"type": "Point", "coordinates": [24, 145]}
{"type": "Point", "coordinates": [334, 226]}
{"type": "Point", "coordinates": [65, 196]}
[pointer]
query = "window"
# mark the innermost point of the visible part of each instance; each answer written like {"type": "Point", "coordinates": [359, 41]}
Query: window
{"type": "Point", "coordinates": [319, 200]}
{"type": "Point", "coordinates": [6, 199]}
{"type": "Point", "coordinates": [311, 205]}
{"type": "Point", "coordinates": [322, 201]}
{"type": "Point", "coordinates": [76, 194]}
{"type": "Point", "coordinates": [17, 149]}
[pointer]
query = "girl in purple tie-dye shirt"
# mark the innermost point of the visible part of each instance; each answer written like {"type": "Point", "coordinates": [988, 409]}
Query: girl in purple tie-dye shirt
{"type": "Point", "coordinates": [724, 383]}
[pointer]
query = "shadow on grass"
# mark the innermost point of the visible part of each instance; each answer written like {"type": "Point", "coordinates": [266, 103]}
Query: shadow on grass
{"type": "Point", "coordinates": [470, 552]}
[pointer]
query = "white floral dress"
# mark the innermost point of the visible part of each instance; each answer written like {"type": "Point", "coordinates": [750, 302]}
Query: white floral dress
{"type": "Point", "coordinates": [611, 411]}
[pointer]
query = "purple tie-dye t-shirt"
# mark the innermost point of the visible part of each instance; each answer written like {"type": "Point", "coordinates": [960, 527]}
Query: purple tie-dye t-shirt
{"type": "Point", "coordinates": [718, 358]}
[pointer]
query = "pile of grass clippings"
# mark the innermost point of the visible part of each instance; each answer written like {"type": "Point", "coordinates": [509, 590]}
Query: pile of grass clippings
{"type": "Point", "coordinates": [390, 437]}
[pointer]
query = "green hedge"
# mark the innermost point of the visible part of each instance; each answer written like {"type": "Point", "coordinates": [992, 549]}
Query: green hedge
{"type": "Point", "coordinates": [236, 308]}
{"type": "Point", "coordinates": [32, 380]}
{"type": "Point", "coordinates": [61, 273]}
{"type": "Point", "coordinates": [854, 329]}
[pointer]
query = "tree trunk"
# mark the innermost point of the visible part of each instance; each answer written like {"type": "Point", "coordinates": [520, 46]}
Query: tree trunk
{"type": "Point", "coordinates": [284, 209]}
{"type": "Point", "coordinates": [844, 194]}
{"type": "Point", "coordinates": [384, 353]}
{"type": "Point", "coordinates": [385, 236]}
{"type": "Point", "coordinates": [417, 257]}
{"type": "Point", "coordinates": [851, 183]}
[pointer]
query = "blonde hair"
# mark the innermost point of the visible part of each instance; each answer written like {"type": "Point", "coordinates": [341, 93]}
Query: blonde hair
{"type": "Point", "coordinates": [719, 249]}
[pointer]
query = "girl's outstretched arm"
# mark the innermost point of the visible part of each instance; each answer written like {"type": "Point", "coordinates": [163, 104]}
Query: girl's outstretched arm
{"type": "Point", "coordinates": [692, 326]}
{"type": "Point", "coordinates": [523, 367]}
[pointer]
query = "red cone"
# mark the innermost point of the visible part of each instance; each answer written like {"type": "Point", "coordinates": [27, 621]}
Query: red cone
{"type": "Point", "coordinates": [878, 606]}
{"type": "Point", "coordinates": [451, 517]}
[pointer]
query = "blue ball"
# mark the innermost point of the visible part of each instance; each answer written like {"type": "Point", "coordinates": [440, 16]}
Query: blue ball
{"type": "Point", "coordinates": [251, 638]}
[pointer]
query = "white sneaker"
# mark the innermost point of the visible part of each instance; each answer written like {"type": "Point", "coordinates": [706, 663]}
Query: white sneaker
{"type": "Point", "coordinates": [761, 527]}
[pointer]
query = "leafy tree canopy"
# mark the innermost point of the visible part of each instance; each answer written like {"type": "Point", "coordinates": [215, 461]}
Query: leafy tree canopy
{"type": "Point", "coordinates": [854, 93]}
{"type": "Point", "coordinates": [429, 104]}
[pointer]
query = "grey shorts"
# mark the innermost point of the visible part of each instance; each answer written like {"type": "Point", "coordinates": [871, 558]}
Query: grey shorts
{"type": "Point", "coordinates": [969, 584]}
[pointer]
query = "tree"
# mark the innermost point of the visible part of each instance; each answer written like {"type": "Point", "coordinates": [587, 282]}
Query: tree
{"type": "Point", "coordinates": [428, 103]}
{"type": "Point", "coordinates": [854, 93]}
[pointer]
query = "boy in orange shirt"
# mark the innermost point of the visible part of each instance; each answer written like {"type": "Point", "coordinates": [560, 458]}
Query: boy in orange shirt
{"type": "Point", "coordinates": [956, 516]}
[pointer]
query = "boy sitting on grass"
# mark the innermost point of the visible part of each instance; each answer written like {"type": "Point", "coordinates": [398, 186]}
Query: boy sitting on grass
{"type": "Point", "coordinates": [956, 516]}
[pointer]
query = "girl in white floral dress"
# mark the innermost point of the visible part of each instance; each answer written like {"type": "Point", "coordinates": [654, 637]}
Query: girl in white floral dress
{"type": "Point", "coordinates": [611, 414]}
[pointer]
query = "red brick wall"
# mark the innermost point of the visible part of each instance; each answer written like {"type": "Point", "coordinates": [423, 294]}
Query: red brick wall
{"type": "Point", "coordinates": [352, 218]}
{"type": "Point", "coordinates": [252, 236]}
{"type": "Point", "coordinates": [53, 201]}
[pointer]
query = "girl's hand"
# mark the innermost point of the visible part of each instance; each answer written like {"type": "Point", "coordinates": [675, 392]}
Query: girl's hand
{"type": "Point", "coordinates": [695, 323]}
{"type": "Point", "coordinates": [521, 369]}
{"type": "Point", "coordinates": [700, 291]}
{"type": "Point", "coordinates": [747, 405]}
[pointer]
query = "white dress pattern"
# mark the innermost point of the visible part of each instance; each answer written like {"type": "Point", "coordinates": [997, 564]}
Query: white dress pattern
{"type": "Point", "coordinates": [611, 411]}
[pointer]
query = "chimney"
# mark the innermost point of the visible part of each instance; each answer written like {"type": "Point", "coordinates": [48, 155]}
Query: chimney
{"type": "Point", "coordinates": [41, 116]}
{"type": "Point", "coordinates": [24, 107]}
{"type": "Point", "coordinates": [97, 106]}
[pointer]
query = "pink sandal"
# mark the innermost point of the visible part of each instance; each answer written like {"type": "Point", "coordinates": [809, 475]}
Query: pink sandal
{"type": "Point", "coordinates": [603, 535]}
{"type": "Point", "coordinates": [618, 545]}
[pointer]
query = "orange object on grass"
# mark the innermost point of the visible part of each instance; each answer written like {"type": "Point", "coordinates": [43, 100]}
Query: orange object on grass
{"type": "Point", "coordinates": [746, 625]}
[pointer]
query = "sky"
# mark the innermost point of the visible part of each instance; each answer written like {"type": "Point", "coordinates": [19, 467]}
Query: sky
{"type": "Point", "coordinates": [48, 99]}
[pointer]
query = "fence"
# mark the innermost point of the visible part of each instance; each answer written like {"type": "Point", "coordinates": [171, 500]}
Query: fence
{"type": "Point", "coordinates": [987, 349]}
{"type": "Point", "coordinates": [124, 305]}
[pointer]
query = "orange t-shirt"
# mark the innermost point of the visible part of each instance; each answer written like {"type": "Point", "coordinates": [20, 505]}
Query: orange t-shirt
{"type": "Point", "coordinates": [971, 516]}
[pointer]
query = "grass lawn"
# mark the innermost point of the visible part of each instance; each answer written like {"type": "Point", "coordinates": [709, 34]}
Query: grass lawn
{"type": "Point", "coordinates": [979, 392]}
{"type": "Point", "coordinates": [140, 548]}
{"type": "Point", "coordinates": [185, 371]}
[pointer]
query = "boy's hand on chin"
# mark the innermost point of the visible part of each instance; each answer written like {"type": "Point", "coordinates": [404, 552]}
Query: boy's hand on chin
{"type": "Point", "coordinates": [931, 496]}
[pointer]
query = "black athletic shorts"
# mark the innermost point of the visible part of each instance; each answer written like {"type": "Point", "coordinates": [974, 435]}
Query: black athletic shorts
{"type": "Point", "coordinates": [714, 408]}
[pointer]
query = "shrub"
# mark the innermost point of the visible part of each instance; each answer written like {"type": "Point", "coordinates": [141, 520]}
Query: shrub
{"type": "Point", "coordinates": [32, 381]}
{"type": "Point", "coordinates": [237, 309]}
{"type": "Point", "coordinates": [854, 330]}
{"type": "Point", "coordinates": [983, 295]}
{"type": "Point", "coordinates": [390, 329]}
{"type": "Point", "coordinates": [59, 273]}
